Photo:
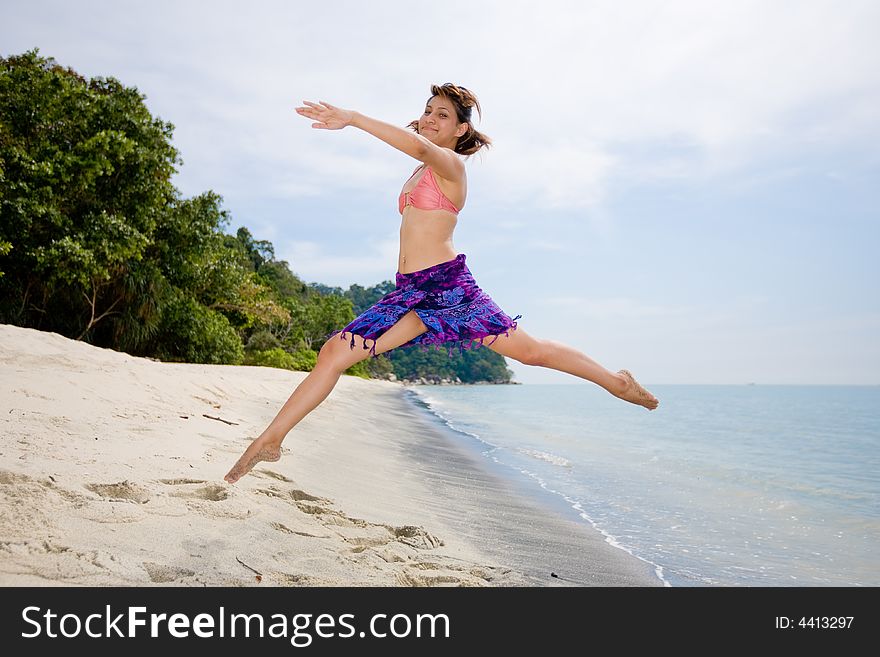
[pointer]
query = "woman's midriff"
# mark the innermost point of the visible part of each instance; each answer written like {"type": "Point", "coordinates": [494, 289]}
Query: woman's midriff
{"type": "Point", "coordinates": [425, 239]}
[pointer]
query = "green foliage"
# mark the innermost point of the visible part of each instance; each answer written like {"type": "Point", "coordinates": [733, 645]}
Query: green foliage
{"type": "Point", "coordinates": [191, 333]}
{"type": "Point", "coordinates": [100, 240]}
{"type": "Point", "coordinates": [5, 247]}
{"type": "Point", "coordinates": [362, 298]}
{"type": "Point", "coordinates": [305, 360]}
{"type": "Point", "coordinates": [276, 357]}
{"type": "Point", "coordinates": [275, 274]}
{"type": "Point", "coordinates": [262, 340]}
{"type": "Point", "coordinates": [86, 179]}
{"type": "Point", "coordinates": [312, 320]}
{"type": "Point", "coordinates": [263, 348]}
{"type": "Point", "coordinates": [379, 368]}
{"type": "Point", "coordinates": [326, 290]}
{"type": "Point", "coordinates": [214, 267]}
{"type": "Point", "coordinates": [360, 369]}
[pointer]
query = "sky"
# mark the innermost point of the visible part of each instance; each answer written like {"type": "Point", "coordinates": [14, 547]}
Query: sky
{"type": "Point", "coordinates": [685, 189]}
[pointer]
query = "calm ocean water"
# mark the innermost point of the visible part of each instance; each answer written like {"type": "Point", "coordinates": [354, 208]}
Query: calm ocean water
{"type": "Point", "coordinates": [723, 485]}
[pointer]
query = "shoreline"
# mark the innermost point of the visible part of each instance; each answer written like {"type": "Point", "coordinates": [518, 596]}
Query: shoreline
{"type": "Point", "coordinates": [547, 539]}
{"type": "Point", "coordinates": [111, 473]}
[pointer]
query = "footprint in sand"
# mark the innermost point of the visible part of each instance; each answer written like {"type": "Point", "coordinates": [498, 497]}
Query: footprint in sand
{"type": "Point", "coordinates": [287, 530]}
{"type": "Point", "coordinates": [415, 537]}
{"type": "Point", "coordinates": [443, 572]}
{"type": "Point", "coordinates": [360, 533]}
{"type": "Point", "coordinates": [120, 502]}
{"type": "Point", "coordinates": [196, 492]}
{"type": "Point", "coordinates": [415, 579]}
{"type": "Point", "coordinates": [288, 579]}
{"type": "Point", "coordinates": [190, 489]}
{"type": "Point", "coordinates": [375, 545]}
{"type": "Point", "coordinates": [161, 573]}
{"type": "Point", "coordinates": [41, 502]}
{"type": "Point", "coordinates": [9, 478]}
{"type": "Point", "coordinates": [273, 475]}
{"type": "Point", "coordinates": [58, 564]}
{"type": "Point", "coordinates": [293, 494]}
{"type": "Point", "coordinates": [124, 491]}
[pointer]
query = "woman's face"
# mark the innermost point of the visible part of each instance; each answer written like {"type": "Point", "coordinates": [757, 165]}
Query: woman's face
{"type": "Point", "coordinates": [439, 123]}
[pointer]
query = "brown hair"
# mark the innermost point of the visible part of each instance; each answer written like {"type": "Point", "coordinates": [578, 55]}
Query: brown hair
{"type": "Point", "coordinates": [464, 101]}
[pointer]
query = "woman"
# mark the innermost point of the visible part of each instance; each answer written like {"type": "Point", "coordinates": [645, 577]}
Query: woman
{"type": "Point", "coordinates": [436, 300]}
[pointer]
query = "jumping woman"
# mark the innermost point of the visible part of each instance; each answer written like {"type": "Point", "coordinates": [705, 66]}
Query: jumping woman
{"type": "Point", "coordinates": [436, 300]}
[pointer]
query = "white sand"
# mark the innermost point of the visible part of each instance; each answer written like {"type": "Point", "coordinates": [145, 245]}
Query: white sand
{"type": "Point", "coordinates": [112, 475]}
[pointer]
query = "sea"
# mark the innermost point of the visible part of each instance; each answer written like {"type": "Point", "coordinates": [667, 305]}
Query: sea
{"type": "Point", "coordinates": [722, 485]}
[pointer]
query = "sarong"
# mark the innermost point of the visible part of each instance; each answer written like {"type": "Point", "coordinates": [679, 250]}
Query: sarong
{"type": "Point", "coordinates": [449, 302]}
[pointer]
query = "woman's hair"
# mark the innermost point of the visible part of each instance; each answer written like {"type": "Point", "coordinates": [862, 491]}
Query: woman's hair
{"type": "Point", "coordinates": [464, 101]}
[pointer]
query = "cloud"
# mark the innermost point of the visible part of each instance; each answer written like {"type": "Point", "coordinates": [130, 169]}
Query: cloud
{"type": "Point", "coordinates": [579, 97]}
{"type": "Point", "coordinates": [720, 83]}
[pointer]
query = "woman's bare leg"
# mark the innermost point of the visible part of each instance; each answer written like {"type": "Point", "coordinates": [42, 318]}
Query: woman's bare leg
{"type": "Point", "coordinates": [335, 357]}
{"type": "Point", "coordinates": [529, 350]}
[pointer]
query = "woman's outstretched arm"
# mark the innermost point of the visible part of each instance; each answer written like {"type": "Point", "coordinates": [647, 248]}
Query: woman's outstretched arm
{"type": "Point", "coordinates": [329, 117]}
{"type": "Point", "coordinates": [442, 160]}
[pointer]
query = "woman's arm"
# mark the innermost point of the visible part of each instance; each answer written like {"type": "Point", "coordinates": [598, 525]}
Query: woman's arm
{"type": "Point", "coordinates": [442, 160]}
{"type": "Point", "coordinates": [402, 139]}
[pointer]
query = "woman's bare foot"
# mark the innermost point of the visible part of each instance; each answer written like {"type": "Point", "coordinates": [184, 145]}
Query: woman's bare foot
{"type": "Point", "coordinates": [259, 450]}
{"type": "Point", "coordinates": [635, 393]}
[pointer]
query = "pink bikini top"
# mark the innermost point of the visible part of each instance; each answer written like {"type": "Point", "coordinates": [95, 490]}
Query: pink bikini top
{"type": "Point", "coordinates": [426, 195]}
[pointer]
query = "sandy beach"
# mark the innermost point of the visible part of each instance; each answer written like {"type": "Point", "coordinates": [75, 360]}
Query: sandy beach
{"type": "Point", "coordinates": [111, 474]}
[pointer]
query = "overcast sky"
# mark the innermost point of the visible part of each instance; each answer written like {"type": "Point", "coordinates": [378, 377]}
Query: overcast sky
{"type": "Point", "coordinates": [686, 189]}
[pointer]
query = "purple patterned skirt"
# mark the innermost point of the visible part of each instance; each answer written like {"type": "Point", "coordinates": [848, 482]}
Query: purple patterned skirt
{"type": "Point", "coordinates": [449, 302]}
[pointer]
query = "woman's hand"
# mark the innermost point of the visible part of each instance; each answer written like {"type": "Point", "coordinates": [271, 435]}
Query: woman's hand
{"type": "Point", "coordinates": [328, 117]}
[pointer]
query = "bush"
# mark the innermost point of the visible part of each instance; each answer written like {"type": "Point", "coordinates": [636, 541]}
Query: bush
{"type": "Point", "coordinates": [191, 333]}
{"type": "Point", "coordinates": [305, 360]}
{"type": "Point", "coordinates": [276, 357]}
{"type": "Point", "coordinates": [301, 361]}
{"type": "Point", "coordinates": [262, 341]}
{"type": "Point", "coordinates": [379, 368]}
{"type": "Point", "coordinates": [360, 369]}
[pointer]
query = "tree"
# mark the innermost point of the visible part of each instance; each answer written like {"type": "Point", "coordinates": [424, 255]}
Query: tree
{"type": "Point", "coordinates": [86, 180]}
{"type": "Point", "coordinates": [99, 244]}
{"type": "Point", "coordinates": [214, 268]}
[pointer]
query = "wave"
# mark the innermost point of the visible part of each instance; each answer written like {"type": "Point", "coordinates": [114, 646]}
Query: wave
{"type": "Point", "coordinates": [545, 456]}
